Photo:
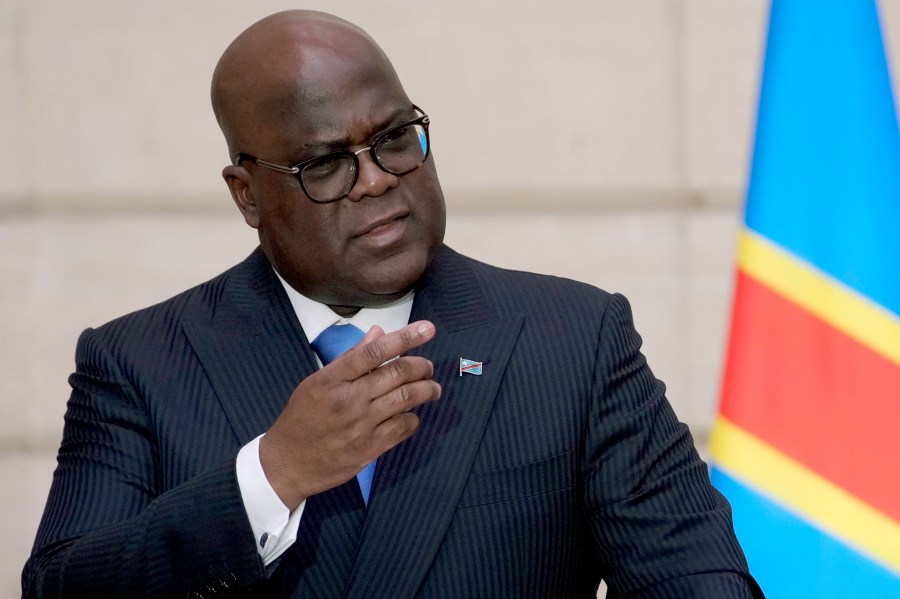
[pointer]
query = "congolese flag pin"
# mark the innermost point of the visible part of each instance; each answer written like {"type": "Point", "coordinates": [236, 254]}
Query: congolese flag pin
{"type": "Point", "coordinates": [470, 366]}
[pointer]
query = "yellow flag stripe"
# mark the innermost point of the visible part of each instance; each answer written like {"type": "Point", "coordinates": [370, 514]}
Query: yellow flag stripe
{"type": "Point", "coordinates": [800, 489]}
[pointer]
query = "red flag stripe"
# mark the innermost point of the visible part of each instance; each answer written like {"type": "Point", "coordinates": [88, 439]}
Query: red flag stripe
{"type": "Point", "coordinates": [814, 394]}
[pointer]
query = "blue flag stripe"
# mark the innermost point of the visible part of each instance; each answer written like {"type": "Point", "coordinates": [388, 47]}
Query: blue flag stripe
{"type": "Point", "coordinates": [825, 182]}
{"type": "Point", "coordinates": [792, 559]}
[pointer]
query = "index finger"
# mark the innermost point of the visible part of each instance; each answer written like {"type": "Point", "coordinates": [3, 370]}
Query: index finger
{"type": "Point", "coordinates": [369, 355]}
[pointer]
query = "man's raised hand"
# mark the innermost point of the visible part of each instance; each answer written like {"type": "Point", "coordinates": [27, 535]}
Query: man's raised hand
{"type": "Point", "coordinates": [348, 413]}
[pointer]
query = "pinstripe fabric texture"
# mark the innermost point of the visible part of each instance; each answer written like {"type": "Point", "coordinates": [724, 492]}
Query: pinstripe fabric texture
{"type": "Point", "coordinates": [561, 465]}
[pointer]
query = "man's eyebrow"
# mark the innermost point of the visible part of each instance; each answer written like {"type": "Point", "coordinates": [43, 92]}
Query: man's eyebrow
{"type": "Point", "coordinates": [394, 118]}
{"type": "Point", "coordinates": [322, 147]}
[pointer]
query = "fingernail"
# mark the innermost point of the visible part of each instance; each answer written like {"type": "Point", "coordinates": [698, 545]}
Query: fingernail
{"type": "Point", "coordinates": [422, 329]}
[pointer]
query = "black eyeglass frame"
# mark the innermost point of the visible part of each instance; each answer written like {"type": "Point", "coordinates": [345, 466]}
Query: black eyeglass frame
{"type": "Point", "coordinates": [296, 170]}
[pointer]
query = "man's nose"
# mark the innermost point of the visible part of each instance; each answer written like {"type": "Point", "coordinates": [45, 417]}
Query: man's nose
{"type": "Point", "coordinates": [372, 180]}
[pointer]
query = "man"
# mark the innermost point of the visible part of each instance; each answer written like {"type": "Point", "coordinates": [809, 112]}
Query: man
{"type": "Point", "coordinates": [520, 445]}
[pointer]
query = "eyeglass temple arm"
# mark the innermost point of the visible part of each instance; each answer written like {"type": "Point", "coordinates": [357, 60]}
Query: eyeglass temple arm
{"type": "Point", "coordinates": [290, 170]}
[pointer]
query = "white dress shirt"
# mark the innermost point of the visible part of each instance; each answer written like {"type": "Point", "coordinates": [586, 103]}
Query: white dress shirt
{"type": "Point", "coordinates": [274, 526]}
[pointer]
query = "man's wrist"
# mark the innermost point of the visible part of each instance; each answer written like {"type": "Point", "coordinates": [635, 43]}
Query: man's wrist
{"type": "Point", "coordinates": [274, 525]}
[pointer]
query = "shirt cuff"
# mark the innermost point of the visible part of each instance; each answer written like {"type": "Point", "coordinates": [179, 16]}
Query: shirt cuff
{"type": "Point", "coordinates": [274, 526]}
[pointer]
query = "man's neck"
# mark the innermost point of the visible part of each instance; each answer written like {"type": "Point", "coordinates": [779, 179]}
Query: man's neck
{"type": "Point", "coordinates": [344, 311]}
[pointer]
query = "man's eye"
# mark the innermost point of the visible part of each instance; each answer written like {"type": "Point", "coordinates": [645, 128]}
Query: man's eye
{"type": "Point", "coordinates": [395, 136]}
{"type": "Point", "coordinates": [324, 168]}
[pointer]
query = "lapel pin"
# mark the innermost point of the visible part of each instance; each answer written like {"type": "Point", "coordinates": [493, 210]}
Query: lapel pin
{"type": "Point", "coordinates": [470, 367]}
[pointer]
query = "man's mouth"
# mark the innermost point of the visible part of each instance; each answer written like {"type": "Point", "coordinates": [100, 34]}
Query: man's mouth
{"type": "Point", "coordinates": [384, 231]}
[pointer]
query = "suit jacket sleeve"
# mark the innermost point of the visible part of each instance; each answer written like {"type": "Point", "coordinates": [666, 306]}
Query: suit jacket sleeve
{"type": "Point", "coordinates": [108, 525]}
{"type": "Point", "coordinates": [660, 528]}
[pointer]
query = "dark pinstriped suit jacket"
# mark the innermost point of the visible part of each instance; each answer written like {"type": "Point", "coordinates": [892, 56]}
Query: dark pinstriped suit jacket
{"type": "Point", "coordinates": [561, 464]}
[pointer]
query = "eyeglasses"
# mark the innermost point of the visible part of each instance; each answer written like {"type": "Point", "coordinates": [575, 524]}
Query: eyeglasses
{"type": "Point", "coordinates": [328, 178]}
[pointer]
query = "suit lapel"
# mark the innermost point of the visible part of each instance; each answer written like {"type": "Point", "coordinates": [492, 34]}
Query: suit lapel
{"type": "Point", "coordinates": [418, 484]}
{"type": "Point", "coordinates": [255, 353]}
{"type": "Point", "coordinates": [252, 347]}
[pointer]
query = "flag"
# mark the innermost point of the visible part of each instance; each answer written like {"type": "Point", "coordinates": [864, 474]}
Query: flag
{"type": "Point", "coordinates": [467, 366]}
{"type": "Point", "coordinates": [807, 442]}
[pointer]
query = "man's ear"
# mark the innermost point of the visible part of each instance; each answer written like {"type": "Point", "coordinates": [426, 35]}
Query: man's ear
{"type": "Point", "coordinates": [238, 180]}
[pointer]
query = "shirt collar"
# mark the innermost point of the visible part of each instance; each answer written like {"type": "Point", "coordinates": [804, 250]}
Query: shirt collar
{"type": "Point", "coordinates": [315, 317]}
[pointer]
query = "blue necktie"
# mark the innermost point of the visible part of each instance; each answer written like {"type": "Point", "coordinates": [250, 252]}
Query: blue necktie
{"type": "Point", "coordinates": [330, 344]}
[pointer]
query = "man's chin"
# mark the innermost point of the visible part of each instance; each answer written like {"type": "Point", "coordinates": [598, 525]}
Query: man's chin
{"type": "Point", "coordinates": [396, 275]}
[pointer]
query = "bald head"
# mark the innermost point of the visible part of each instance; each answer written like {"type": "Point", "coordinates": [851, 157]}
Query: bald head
{"type": "Point", "coordinates": [285, 65]}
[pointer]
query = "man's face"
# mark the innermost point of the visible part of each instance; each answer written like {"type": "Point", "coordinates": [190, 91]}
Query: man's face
{"type": "Point", "coordinates": [371, 246]}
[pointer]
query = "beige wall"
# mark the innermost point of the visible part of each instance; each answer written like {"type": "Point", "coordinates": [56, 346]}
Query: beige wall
{"type": "Point", "coordinates": [613, 142]}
